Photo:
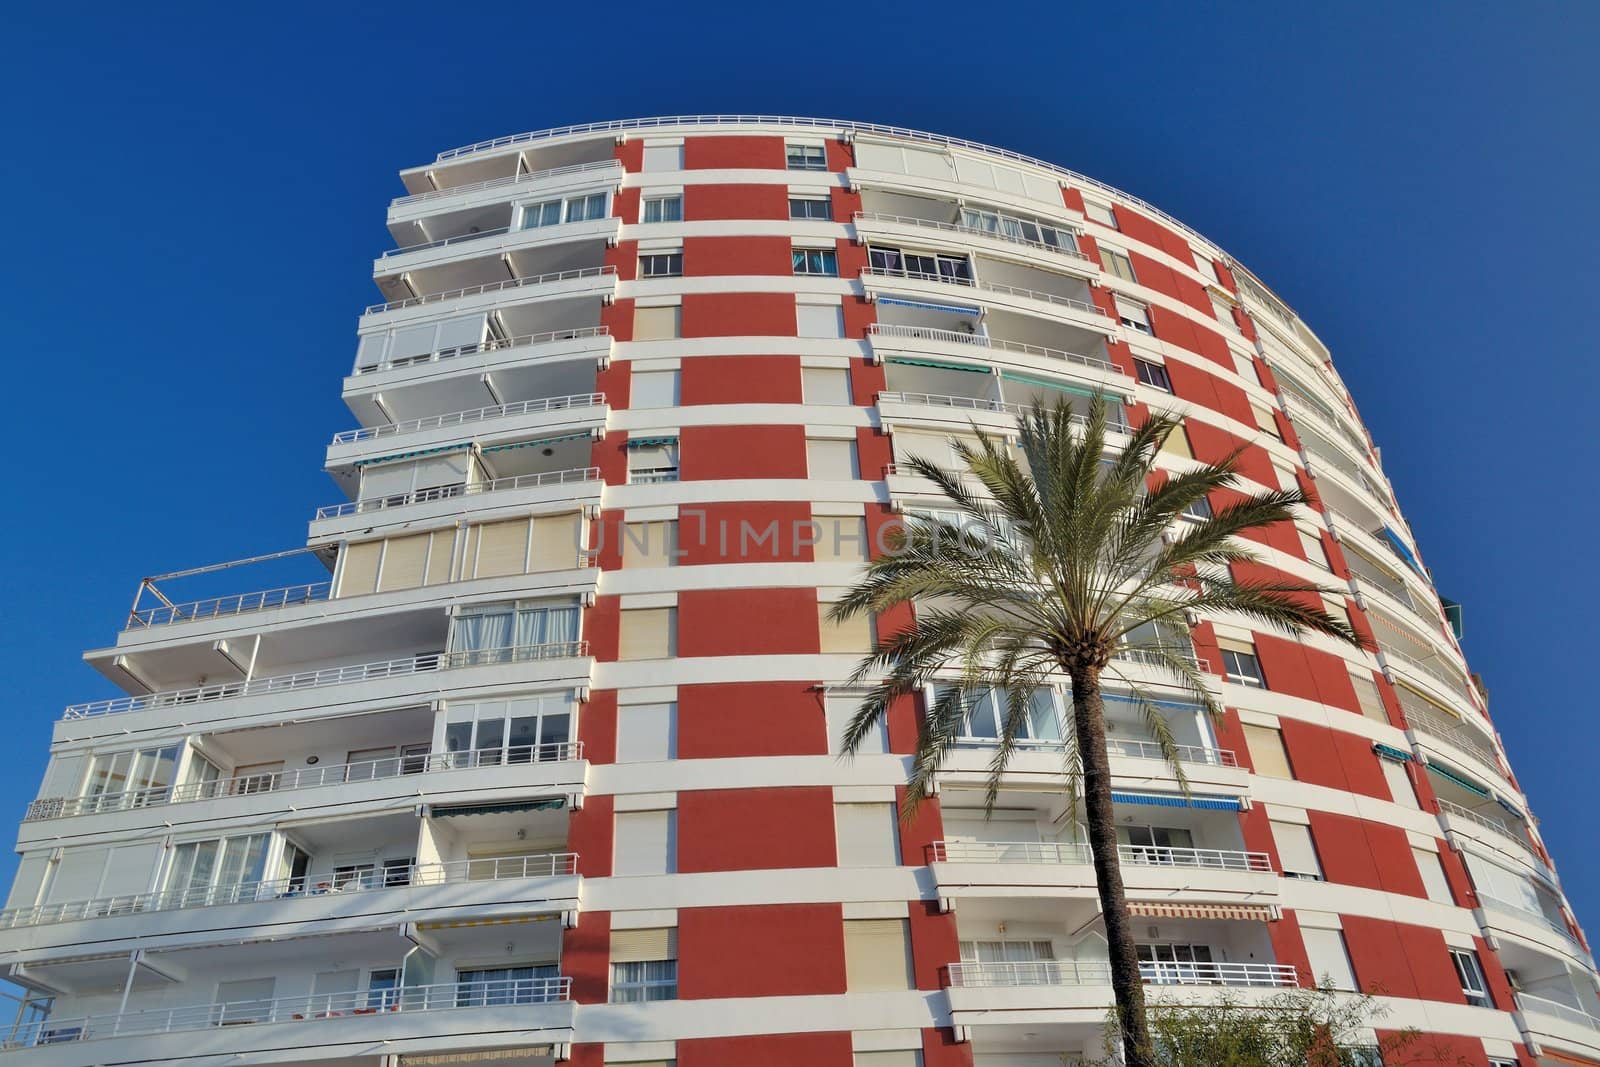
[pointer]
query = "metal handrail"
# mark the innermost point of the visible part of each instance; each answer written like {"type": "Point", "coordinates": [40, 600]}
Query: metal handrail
{"type": "Point", "coordinates": [1538, 918]}
{"type": "Point", "coordinates": [360, 672]}
{"type": "Point", "coordinates": [448, 492]}
{"type": "Point", "coordinates": [446, 995]}
{"type": "Point", "coordinates": [1296, 406]}
{"type": "Point", "coordinates": [1009, 290]}
{"type": "Point", "coordinates": [915, 275]}
{"type": "Point", "coordinates": [928, 333]}
{"type": "Point", "coordinates": [492, 287]}
{"type": "Point", "coordinates": [1454, 732]}
{"type": "Point", "coordinates": [515, 179]}
{"type": "Point", "coordinates": [956, 227]}
{"type": "Point", "coordinates": [1456, 684]}
{"type": "Point", "coordinates": [489, 868]}
{"type": "Point", "coordinates": [457, 418]}
{"type": "Point", "coordinates": [1074, 973]}
{"type": "Point", "coordinates": [492, 345]}
{"type": "Point", "coordinates": [1079, 854]}
{"type": "Point", "coordinates": [237, 604]}
{"type": "Point", "coordinates": [1216, 757]}
{"type": "Point", "coordinates": [445, 242]}
{"type": "Point", "coordinates": [1527, 1002]}
{"type": "Point", "coordinates": [967, 403]}
{"type": "Point", "coordinates": [1455, 811]}
{"type": "Point", "coordinates": [299, 778]}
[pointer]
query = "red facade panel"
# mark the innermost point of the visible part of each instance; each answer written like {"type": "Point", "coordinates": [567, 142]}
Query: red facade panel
{"type": "Point", "coordinates": [755, 829]}
{"type": "Point", "coordinates": [716, 453]}
{"type": "Point", "coordinates": [733, 153]}
{"type": "Point", "coordinates": [823, 1049]}
{"type": "Point", "coordinates": [747, 719]}
{"type": "Point", "coordinates": [775, 950]}
{"type": "Point", "coordinates": [739, 380]}
{"type": "Point", "coordinates": [747, 622]}
{"type": "Point", "coordinates": [719, 256]}
{"type": "Point", "coordinates": [702, 203]}
{"type": "Point", "coordinates": [586, 954]}
{"type": "Point", "coordinates": [753, 532]}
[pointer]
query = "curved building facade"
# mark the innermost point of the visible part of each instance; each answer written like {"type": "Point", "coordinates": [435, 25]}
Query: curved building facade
{"type": "Point", "coordinates": [538, 760]}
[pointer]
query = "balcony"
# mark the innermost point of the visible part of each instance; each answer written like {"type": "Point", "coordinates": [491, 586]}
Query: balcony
{"type": "Point", "coordinates": [895, 338]}
{"type": "Point", "coordinates": [1445, 686]}
{"type": "Point", "coordinates": [1435, 728]}
{"type": "Point", "coordinates": [447, 501]}
{"type": "Point", "coordinates": [583, 281]}
{"type": "Point", "coordinates": [1052, 257]}
{"type": "Point", "coordinates": [450, 492]}
{"type": "Point", "coordinates": [495, 189]}
{"type": "Point", "coordinates": [319, 1025]}
{"type": "Point", "coordinates": [1054, 306]}
{"type": "Point", "coordinates": [1494, 833]}
{"type": "Point", "coordinates": [1562, 1026]}
{"type": "Point", "coordinates": [1071, 973]}
{"type": "Point", "coordinates": [476, 415]}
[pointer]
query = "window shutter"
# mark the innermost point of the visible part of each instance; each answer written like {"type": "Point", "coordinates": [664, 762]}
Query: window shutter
{"type": "Point", "coordinates": [653, 389]}
{"type": "Point", "coordinates": [557, 542]}
{"type": "Point", "coordinates": [825, 385]}
{"type": "Point", "coordinates": [78, 874]}
{"type": "Point", "coordinates": [645, 732]}
{"type": "Point", "coordinates": [819, 320]}
{"type": "Point", "coordinates": [648, 633]}
{"type": "Point", "coordinates": [29, 880]}
{"type": "Point", "coordinates": [329, 982]}
{"type": "Point", "coordinates": [831, 461]}
{"type": "Point", "coordinates": [839, 711]}
{"type": "Point", "coordinates": [1400, 787]}
{"type": "Point", "coordinates": [657, 324]}
{"type": "Point", "coordinates": [1297, 854]}
{"type": "Point", "coordinates": [403, 560]}
{"type": "Point", "coordinates": [840, 539]}
{"type": "Point", "coordinates": [1325, 949]}
{"type": "Point", "coordinates": [1433, 879]}
{"type": "Point", "coordinates": [1311, 545]}
{"type": "Point", "coordinates": [1265, 421]}
{"type": "Point", "coordinates": [1177, 443]}
{"type": "Point", "coordinates": [854, 636]}
{"type": "Point", "coordinates": [877, 955]}
{"type": "Point", "coordinates": [1267, 753]}
{"type": "Point", "coordinates": [644, 843]}
{"type": "Point", "coordinates": [1368, 697]}
{"type": "Point", "coordinates": [662, 157]}
{"type": "Point", "coordinates": [899, 1058]}
{"type": "Point", "coordinates": [359, 572]}
{"type": "Point", "coordinates": [441, 556]}
{"type": "Point", "coordinates": [868, 835]}
{"type": "Point", "coordinates": [649, 544]}
{"type": "Point", "coordinates": [644, 946]}
{"type": "Point", "coordinates": [128, 870]}
{"type": "Point", "coordinates": [502, 549]}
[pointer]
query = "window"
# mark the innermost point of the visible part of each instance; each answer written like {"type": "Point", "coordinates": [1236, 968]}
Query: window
{"type": "Point", "coordinates": [1329, 958]}
{"type": "Point", "coordinates": [1117, 262]}
{"type": "Point", "coordinates": [1033, 231]}
{"type": "Point", "coordinates": [1267, 754]}
{"type": "Point", "coordinates": [397, 872]}
{"type": "Point", "coordinates": [525, 729]}
{"type": "Point", "coordinates": [805, 157]}
{"type": "Point", "coordinates": [877, 955]}
{"type": "Point", "coordinates": [662, 208]}
{"type": "Point", "coordinates": [348, 876]}
{"type": "Point", "coordinates": [507, 985]}
{"type": "Point", "coordinates": [1153, 844]}
{"type": "Point", "coordinates": [1134, 316]}
{"type": "Point", "coordinates": [1224, 312]}
{"type": "Point", "coordinates": [653, 389]}
{"type": "Point", "coordinates": [1401, 791]}
{"type": "Point", "coordinates": [1246, 368]}
{"type": "Point", "coordinates": [1206, 267]}
{"type": "Point", "coordinates": [1470, 971]}
{"type": "Point", "coordinates": [1200, 509]}
{"type": "Point", "coordinates": [1311, 545]}
{"type": "Point", "coordinates": [555, 212]}
{"type": "Point", "coordinates": [899, 1058]}
{"type": "Point", "coordinates": [824, 321]}
{"type": "Point", "coordinates": [647, 733]}
{"type": "Point", "coordinates": [652, 459]}
{"type": "Point", "coordinates": [831, 460]}
{"type": "Point", "coordinates": [644, 965]}
{"type": "Point", "coordinates": [984, 712]}
{"type": "Point", "coordinates": [1297, 852]}
{"type": "Point", "coordinates": [1104, 214]}
{"type": "Point", "coordinates": [1175, 964]}
{"type": "Point", "coordinates": [661, 265]}
{"type": "Point", "coordinates": [649, 544]}
{"type": "Point", "coordinates": [585, 208]}
{"type": "Point", "coordinates": [854, 636]}
{"type": "Point", "coordinates": [822, 262]}
{"type": "Point", "coordinates": [839, 539]}
{"type": "Point", "coordinates": [829, 386]}
{"type": "Point", "coordinates": [808, 207]}
{"type": "Point", "coordinates": [868, 835]}
{"type": "Point", "coordinates": [129, 779]}
{"type": "Point", "coordinates": [648, 633]}
{"type": "Point", "coordinates": [1240, 663]}
{"type": "Point", "coordinates": [218, 871]}
{"type": "Point", "coordinates": [1266, 422]}
{"type": "Point", "coordinates": [1434, 883]}
{"type": "Point", "coordinates": [500, 633]}
{"type": "Point", "coordinates": [1152, 374]}
{"type": "Point", "coordinates": [383, 989]}
{"type": "Point", "coordinates": [645, 842]}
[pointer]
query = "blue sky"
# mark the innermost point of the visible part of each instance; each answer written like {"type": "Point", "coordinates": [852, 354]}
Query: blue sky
{"type": "Point", "coordinates": [197, 194]}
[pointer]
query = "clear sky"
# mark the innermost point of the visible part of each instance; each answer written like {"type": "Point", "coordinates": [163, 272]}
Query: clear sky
{"type": "Point", "coordinates": [197, 194]}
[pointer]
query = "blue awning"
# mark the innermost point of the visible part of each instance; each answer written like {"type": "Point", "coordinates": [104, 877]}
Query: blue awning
{"type": "Point", "coordinates": [1386, 752]}
{"type": "Point", "coordinates": [1176, 800]}
{"type": "Point", "coordinates": [1452, 615]}
{"type": "Point", "coordinates": [1515, 811]}
{"type": "Point", "coordinates": [1170, 705]}
{"type": "Point", "coordinates": [1403, 552]}
{"type": "Point", "coordinates": [1460, 779]}
{"type": "Point", "coordinates": [650, 442]}
{"type": "Point", "coordinates": [954, 309]}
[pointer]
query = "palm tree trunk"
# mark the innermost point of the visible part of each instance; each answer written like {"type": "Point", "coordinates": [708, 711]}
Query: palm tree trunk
{"type": "Point", "coordinates": [1088, 712]}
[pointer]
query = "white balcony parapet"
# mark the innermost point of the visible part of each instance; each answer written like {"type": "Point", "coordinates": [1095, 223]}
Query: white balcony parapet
{"type": "Point", "coordinates": [1454, 732]}
{"type": "Point", "coordinates": [498, 231]}
{"type": "Point", "coordinates": [1527, 1003]}
{"type": "Point", "coordinates": [549, 865]}
{"type": "Point", "coordinates": [1008, 290]}
{"type": "Point", "coordinates": [1079, 855]}
{"type": "Point", "coordinates": [300, 778]}
{"type": "Point", "coordinates": [1528, 915]}
{"type": "Point", "coordinates": [1073, 973]}
{"type": "Point", "coordinates": [1216, 757]}
{"type": "Point", "coordinates": [459, 418]}
{"type": "Point", "coordinates": [493, 287]}
{"type": "Point", "coordinates": [968, 403]}
{"type": "Point", "coordinates": [440, 997]}
{"type": "Point", "coordinates": [498, 183]}
{"type": "Point", "coordinates": [494, 345]}
{"type": "Point", "coordinates": [237, 604]}
{"type": "Point", "coordinates": [1455, 682]}
{"type": "Point", "coordinates": [447, 492]}
{"type": "Point", "coordinates": [358, 672]}
{"type": "Point", "coordinates": [977, 231]}
{"type": "Point", "coordinates": [956, 337]}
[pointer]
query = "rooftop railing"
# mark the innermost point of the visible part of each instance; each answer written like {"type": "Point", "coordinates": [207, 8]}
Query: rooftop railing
{"type": "Point", "coordinates": [1046, 852]}
{"type": "Point", "coordinates": [977, 231]}
{"type": "Point", "coordinates": [958, 337]}
{"type": "Point", "coordinates": [443, 996]}
{"type": "Point", "coordinates": [492, 345]}
{"type": "Point", "coordinates": [461, 418]}
{"type": "Point", "coordinates": [299, 778]}
{"type": "Point", "coordinates": [493, 287]}
{"type": "Point", "coordinates": [448, 492]}
{"type": "Point", "coordinates": [549, 865]}
{"type": "Point", "coordinates": [1527, 1003]}
{"type": "Point", "coordinates": [359, 672]}
{"type": "Point", "coordinates": [237, 604]}
{"type": "Point", "coordinates": [500, 183]}
{"type": "Point", "coordinates": [1073, 973]}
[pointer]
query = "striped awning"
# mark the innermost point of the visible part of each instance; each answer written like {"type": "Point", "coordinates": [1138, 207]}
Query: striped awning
{"type": "Point", "coordinates": [1459, 779]}
{"type": "Point", "coordinates": [508, 807]}
{"type": "Point", "coordinates": [1046, 383]}
{"type": "Point", "coordinates": [563, 439]}
{"type": "Point", "coordinates": [1514, 811]}
{"type": "Point", "coordinates": [936, 364]}
{"type": "Point", "coordinates": [1247, 912]}
{"type": "Point", "coordinates": [1177, 800]}
{"type": "Point", "coordinates": [650, 442]}
{"type": "Point", "coordinates": [508, 920]}
{"type": "Point", "coordinates": [1389, 753]}
{"type": "Point", "coordinates": [392, 457]}
{"type": "Point", "coordinates": [923, 305]}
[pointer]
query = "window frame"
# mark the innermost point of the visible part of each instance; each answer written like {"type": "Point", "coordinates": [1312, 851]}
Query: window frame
{"type": "Point", "coordinates": [825, 202]}
{"type": "Point", "coordinates": [1148, 370]}
{"type": "Point", "coordinates": [646, 203]}
{"type": "Point", "coordinates": [1258, 680]}
{"type": "Point", "coordinates": [648, 261]}
{"type": "Point", "coordinates": [646, 986]}
{"type": "Point", "coordinates": [826, 261]}
{"type": "Point", "coordinates": [805, 157]}
{"type": "Point", "coordinates": [1110, 254]}
{"type": "Point", "coordinates": [1468, 969]}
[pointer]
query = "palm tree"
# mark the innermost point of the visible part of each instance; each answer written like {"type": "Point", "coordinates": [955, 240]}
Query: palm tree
{"type": "Point", "coordinates": [1064, 562]}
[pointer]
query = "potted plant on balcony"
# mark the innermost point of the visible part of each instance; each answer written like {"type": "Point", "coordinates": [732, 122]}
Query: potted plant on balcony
{"type": "Point", "coordinates": [1058, 563]}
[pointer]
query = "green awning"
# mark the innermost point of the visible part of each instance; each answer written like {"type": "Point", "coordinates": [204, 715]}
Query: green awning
{"type": "Point", "coordinates": [413, 455]}
{"type": "Point", "coordinates": [936, 364]}
{"type": "Point", "coordinates": [509, 807]}
{"type": "Point", "coordinates": [542, 441]}
{"type": "Point", "coordinates": [1385, 752]}
{"type": "Point", "coordinates": [1028, 379]}
{"type": "Point", "coordinates": [1459, 779]}
{"type": "Point", "coordinates": [650, 442]}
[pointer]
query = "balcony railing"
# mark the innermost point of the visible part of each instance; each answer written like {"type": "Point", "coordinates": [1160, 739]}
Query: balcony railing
{"type": "Point", "coordinates": [446, 242]}
{"type": "Point", "coordinates": [448, 995]}
{"type": "Point", "coordinates": [957, 337]}
{"type": "Point", "coordinates": [977, 231]}
{"type": "Point", "coordinates": [493, 287]}
{"type": "Point", "coordinates": [1215, 757]}
{"type": "Point", "coordinates": [299, 778]}
{"type": "Point", "coordinates": [460, 418]}
{"type": "Point", "coordinates": [1072, 973]}
{"type": "Point", "coordinates": [1528, 915]}
{"type": "Point", "coordinates": [448, 492]}
{"type": "Point", "coordinates": [1152, 658]}
{"type": "Point", "coordinates": [358, 672]}
{"type": "Point", "coordinates": [551, 865]}
{"type": "Point", "coordinates": [499, 183]}
{"type": "Point", "coordinates": [1454, 732]}
{"type": "Point", "coordinates": [1527, 1003]}
{"type": "Point", "coordinates": [968, 403]}
{"type": "Point", "coordinates": [237, 604]}
{"type": "Point", "coordinates": [1047, 852]}
{"type": "Point", "coordinates": [493, 345]}
{"type": "Point", "coordinates": [1453, 683]}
